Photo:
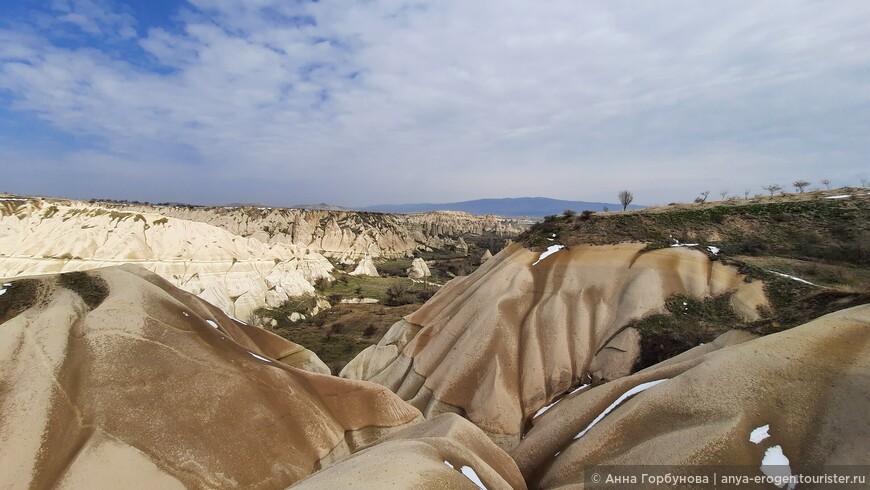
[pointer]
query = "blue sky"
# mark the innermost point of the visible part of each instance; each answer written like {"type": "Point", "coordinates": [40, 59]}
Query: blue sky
{"type": "Point", "coordinates": [358, 102]}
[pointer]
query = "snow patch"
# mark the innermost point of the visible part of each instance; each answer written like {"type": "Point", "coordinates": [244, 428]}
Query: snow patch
{"type": "Point", "coordinates": [7, 284]}
{"type": "Point", "coordinates": [759, 434]}
{"type": "Point", "coordinates": [678, 244]}
{"type": "Point", "coordinates": [544, 409]}
{"type": "Point", "coordinates": [841, 196]}
{"type": "Point", "coordinates": [798, 279]}
{"type": "Point", "coordinates": [471, 475]}
{"type": "Point", "coordinates": [637, 389]}
{"type": "Point", "coordinates": [448, 464]}
{"type": "Point", "coordinates": [236, 319]}
{"type": "Point", "coordinates": [713, 250]}
{"type": "Point", "coordinates": [776, 465]}
{"type": "Point", "coordinates": [212, 323]}
{"type": "Point", "coordinates": [184, 313]}
{"type": "Point", "coordinates": [550, 251]}
{"type": "Point", "coordinates": [259, 357]}
{"type": "Point", "coordinates": [575, 390]}
{"type": "Point", "coordinates": [2, 291]}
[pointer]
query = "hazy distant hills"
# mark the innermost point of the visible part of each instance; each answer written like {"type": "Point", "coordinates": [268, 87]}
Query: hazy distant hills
{"type": "Point", "coordinates": [518, 206]}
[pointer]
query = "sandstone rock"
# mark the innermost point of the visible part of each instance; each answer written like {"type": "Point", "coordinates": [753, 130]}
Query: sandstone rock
{"type": "Point", "coordinates": [366, 267]}
{"type": "Point", "coordinates": [130, 391]}
{"type": "Point", "coordinates": [418, 269]}
{"type": "Point", "coordinates": [461, 246]}
{"type": "Point", "coordinates": [232, 272]}
{"type": "Point", "coordinates": [807, 384]}
{"type": "Point", "coordinates": [436, 453]}
{"type": "Point", "coordinates": [486, 256]}
{"type": "Point", "coordinates": [503, 342]}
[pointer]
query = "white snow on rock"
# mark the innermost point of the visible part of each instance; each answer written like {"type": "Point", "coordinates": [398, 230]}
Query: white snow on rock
{"type": "Point", "coordinates": [212, 323]}
{"type": "Point", "coordinates": [184, 313]}
{"type": "Point", "coordinates": [7, 284]}
{"type": "Point", "coordinates": [236, 319]}
{"type": "Point", "coordinates": [759, 434]}
{"type": "Point", "coordinates": [550, 251]}
{"type": "Point", "coordinates": [685, 245]}
{"type": "Point", "coordinates": [448, 464]}
{"type": "Point", "coordinates": [542, 410]}
{"type": "Point", "coordinates": [259, 357]}
{"type": "Point", "coordinates": [713, 250]}
{"type": "Point", "coordinates": [798, 279]}
{"type": "Point", "coordinates": [841, 196]}
{"type": "Point", "coordinates": [776, 465]}
{"type": "Point", "coordinates": [628, 394]}
{"type": "Point", "coordinates": [2, 291]}
{"type": "Point", "coordinates": [471, 475]}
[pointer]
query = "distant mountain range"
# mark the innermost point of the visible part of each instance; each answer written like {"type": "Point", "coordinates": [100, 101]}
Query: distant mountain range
{"type": "Point", "coordinates": [512, 206]}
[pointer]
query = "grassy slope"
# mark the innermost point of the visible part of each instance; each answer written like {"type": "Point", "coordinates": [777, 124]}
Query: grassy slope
{"type": "Point", "coordinates": [824, 241]}
{"type": "Point", "coordinates": [338, 334]}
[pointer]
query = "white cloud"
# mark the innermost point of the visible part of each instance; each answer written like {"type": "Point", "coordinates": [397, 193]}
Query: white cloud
{"type": "Point", "coordinates": [388, 100]}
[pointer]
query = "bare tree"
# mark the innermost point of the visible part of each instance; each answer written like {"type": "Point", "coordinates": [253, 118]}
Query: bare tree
{"type": "Point", "coordinates": [625, 198]}
{"type": "Point", "coordinates": [771, 188]}
{"type": "Point", "coordinates": [826, 183]}
{"type": "Point", "coordinates": [799, 185]}
{"type": "Point", "coordinates": [746, 193]}
{"type": "Point", "coordinates": [723, 194]}
{"type": "Point", "coordinates": [704, 195]}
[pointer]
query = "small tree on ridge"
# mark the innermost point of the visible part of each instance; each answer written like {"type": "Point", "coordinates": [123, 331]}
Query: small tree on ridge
{"type": "Point", "coordinates": [625, 198]}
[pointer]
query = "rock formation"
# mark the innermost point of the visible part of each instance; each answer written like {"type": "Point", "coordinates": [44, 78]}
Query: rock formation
{"type": "Point", "coordinates": [366, 267]}
{"type": "Point", "coordinates": [802, 392]}
{"type": "Point", "coordinates": [235, 273]}
{"type": "Point", "coordinates": [500, 344]}
{"type": "Point", "coordinates": [486, 256]}
{"type": "Point", "coordinates": [343, 235]}
{"type": "Point", "coordinates": [444, 452]}
{"type": "Point", "coordinates": [116, 379]}
{"type": "Point", "coordinates": [418, 269]}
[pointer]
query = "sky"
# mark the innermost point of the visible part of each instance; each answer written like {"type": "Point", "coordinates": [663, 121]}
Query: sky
{"type": "Point", "coordinates": [360, 102]}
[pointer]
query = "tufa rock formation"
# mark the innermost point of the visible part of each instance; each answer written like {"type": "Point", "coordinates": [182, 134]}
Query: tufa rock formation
{"type": "Point", "coordinates": [498, 345]}
{"type": "Point", "coordinates": [116, 379]}
{"type": "Point", "coordinates": [444, 452]}
{"type": "Point", "coordinates": [418, 269]}
{"type": "Point", "coordinates": [805, 387]}
{"type": "Point", "coordinates": [234, 273]}
{"type": "Point", "coordinates": [366, 267]}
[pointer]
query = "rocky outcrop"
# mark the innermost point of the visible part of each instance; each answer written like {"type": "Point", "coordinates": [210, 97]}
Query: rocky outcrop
{"type": "Point", "coordinates": [116, 379]}
{"type": "Point", "coordinates": [344, 235]}
{"type": "Point", "coordinates": [366, 267]}
{"type": "Point", "coordinates": [486, 256]}
{"type": "Point", "coordinates": [418, 269]}
{"type": "Point", "coordinates": [445, 452]}
{"type": "Point", "coordinates": [235, 273]}
{"type": "Point", "coordinates": [801, 393]}
{"type": "Point", "coordinates": [503, 342]}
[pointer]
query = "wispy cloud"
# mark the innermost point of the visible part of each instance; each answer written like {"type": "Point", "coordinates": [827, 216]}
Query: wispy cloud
{"type": "Point", "coordinates": [389, 100]}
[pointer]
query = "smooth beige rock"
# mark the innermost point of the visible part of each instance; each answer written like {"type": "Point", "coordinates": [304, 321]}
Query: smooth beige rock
{"type": "Point", "coordinates": [155, 388]}
{"type": "Point", "coordinates": [234, 273]}
{"type": "Point", "coordinates": [418, 269]}
{"type": "Point", "coordinates": [503, 342]}
{"type": "Point", "coordinates": [415, 458]}
{"type": "Point", "coordinates": [808, 383]}
{"type": "Point", "coordinates": [366, 267]}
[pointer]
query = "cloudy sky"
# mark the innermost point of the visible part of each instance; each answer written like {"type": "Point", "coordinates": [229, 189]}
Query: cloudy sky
{"type": "Point", "coordinates": [357, 102]}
